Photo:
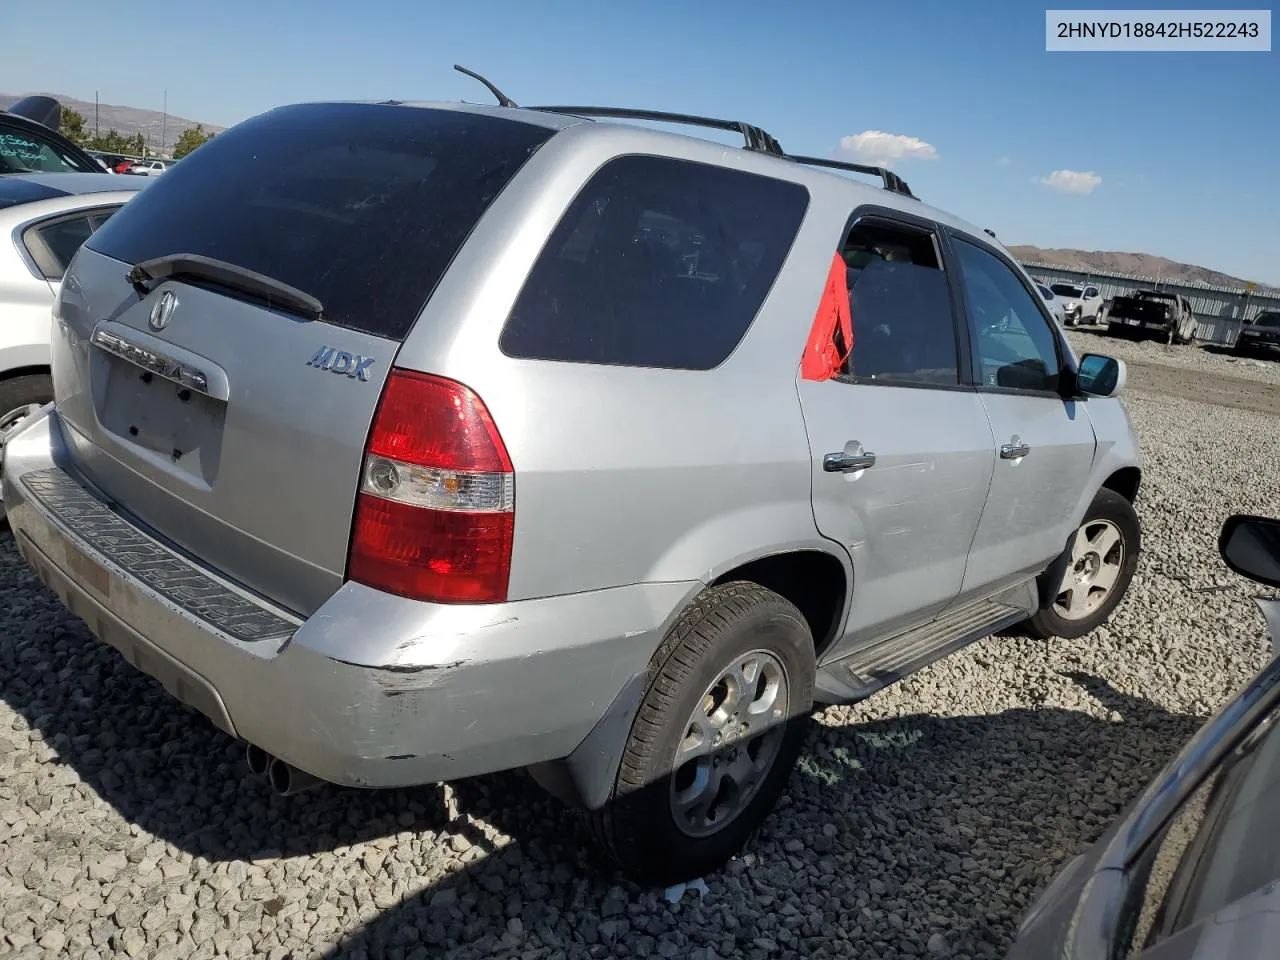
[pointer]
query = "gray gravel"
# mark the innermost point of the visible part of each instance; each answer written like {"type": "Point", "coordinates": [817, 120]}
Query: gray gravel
{"type": "Point", "coordinates": [1208, 358]}
{"type": "Point", "coordinates": [920, 823]}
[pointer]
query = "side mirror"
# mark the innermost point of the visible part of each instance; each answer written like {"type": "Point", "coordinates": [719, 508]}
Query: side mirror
{"type": "Point", "coordinates": [1250, 546]}
{"type": "Point", "coordinates": [1100, 376]}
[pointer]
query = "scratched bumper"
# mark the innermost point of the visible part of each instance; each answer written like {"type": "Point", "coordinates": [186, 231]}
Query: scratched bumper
{"type": "Point", "coordinates": [372, 690]}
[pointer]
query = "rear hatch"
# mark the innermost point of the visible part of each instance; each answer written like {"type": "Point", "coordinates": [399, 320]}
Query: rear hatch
{"type": "Point", "coordinates": [224, 339]}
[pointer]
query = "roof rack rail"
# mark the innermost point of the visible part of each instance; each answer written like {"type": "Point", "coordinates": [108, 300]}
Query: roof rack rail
{"type": "Point", "coordinates": [892, 182]}
{"type": "Point", "coordinates": [756, 139]}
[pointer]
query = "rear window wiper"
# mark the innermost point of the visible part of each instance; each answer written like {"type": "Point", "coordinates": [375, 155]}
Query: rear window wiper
{"type": "Point", "coordinates": [273, 292]}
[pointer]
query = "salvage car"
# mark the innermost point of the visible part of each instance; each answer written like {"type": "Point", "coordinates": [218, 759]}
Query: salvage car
{"type": "Point", "coordinates": [30, 141]}
{"type": "Point", "coordinates": [591, 478]}
{"type": "Point", "coordinates": [1159, 313]}
{"type": "Point", "coordinates": [1056, 308]}
{"type": "Point", "coordinates": [43, 220]}
{"type": "Point", "coordinates": [1260, 335]}
{"type": "Point", "coordinates": [1192, 870]}
{"type": "Point", "coordinates": [1081, 304]}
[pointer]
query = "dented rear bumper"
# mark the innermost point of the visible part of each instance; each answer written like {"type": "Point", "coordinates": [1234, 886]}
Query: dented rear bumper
{"type": "Point", "coordinates": [372, 690]}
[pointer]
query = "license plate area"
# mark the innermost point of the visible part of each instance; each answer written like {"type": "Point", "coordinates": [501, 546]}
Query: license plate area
{"type": "Point", "coordinates": [167, 419]}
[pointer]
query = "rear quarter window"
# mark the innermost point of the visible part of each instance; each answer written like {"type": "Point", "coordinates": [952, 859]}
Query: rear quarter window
{"type": "Point", "coordinates": [657, 263]}
{"type": "Point", "coordinates": [363, 206]}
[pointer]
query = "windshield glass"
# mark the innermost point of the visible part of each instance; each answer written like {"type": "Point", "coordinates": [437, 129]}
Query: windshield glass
{"type": "Point", "coordinates": [23, 152]}
{"type": "Point", "coordinates": [1065, 290]}
{"type": "Point", "coordinates": [1268, 320]}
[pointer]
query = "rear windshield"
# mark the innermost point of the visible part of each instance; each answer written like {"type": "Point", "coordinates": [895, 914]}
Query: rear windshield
{"type": "Point", "coordinates": [1065, 290]}
{"type": "Point", "coordinates": [363, 206]}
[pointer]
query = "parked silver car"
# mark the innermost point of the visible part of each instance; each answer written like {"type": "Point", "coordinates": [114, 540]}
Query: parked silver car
{"type": "Point", "coordinates": [1192, 870]}
{"type": "Point", "coordinates": [44, 217]}
{"type": "Point", "coordinates": [501, 438]}
{"type": "Point", "coordinates": [1056, 309]}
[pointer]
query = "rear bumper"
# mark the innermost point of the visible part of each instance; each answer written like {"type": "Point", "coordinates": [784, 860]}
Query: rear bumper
{"type": "Point", "coordinates": [372, 690]}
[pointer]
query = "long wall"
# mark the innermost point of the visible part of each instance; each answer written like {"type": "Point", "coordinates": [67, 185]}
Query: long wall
{"type": "Point", "coordinates": [1220, 311]}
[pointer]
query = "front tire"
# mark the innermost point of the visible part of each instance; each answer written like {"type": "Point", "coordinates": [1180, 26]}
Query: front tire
{"type": "Point", "coordinates": [1103, 556]}
{"type": "Point", "coordinates": [717, 734]}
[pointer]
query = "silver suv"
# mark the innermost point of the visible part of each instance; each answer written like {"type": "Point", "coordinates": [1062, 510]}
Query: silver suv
{"type": "Point", "coordinates": [499, 438]}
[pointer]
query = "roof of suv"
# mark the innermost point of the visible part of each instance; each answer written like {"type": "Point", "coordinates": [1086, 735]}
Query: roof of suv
{"type": "Point", "coordinates": [668, 143]}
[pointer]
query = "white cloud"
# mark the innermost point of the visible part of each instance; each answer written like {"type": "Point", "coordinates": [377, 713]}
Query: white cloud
{"type": "Point", "coordinates": [1072, 181]}
{"type": "Point", "coordinates": [884, 149]}
{"type": "Point", "coordinates": [1002, 162]}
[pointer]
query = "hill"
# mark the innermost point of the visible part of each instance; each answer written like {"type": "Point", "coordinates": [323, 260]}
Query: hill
{"type": "Point", "coordinates": [126, 120]}
{"type": "Point", "coordinates": [1139, 264]}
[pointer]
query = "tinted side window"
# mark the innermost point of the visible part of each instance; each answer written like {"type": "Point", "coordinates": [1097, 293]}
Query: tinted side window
{"type": "Point", "coordinates": [53, 244]}
{"type": "Point", "coordinates": [657, 263]}
{"type": "Point", "coordinates": [903, 328]}
{"type": "Point", "coordinates": [1013, 343]}
{"type": "Point", "coordinates": [64, 238]}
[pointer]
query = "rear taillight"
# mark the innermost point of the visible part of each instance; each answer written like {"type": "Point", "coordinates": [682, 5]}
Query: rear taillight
{"type": "Point", "coordinates": [435, 515]}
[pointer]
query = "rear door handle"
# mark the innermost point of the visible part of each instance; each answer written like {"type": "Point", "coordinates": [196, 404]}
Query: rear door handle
{"type": "Point", "coordinates": [1014, 451]}
{"type": "Point", "coordinates": [847, 462]}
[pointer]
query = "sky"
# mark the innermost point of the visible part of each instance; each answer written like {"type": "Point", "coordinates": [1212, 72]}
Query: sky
{"type": "Point", "coordinates": [1173, 154]}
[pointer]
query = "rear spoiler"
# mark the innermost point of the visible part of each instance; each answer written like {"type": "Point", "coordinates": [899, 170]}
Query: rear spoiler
{"type": "Point", "coordinates": [45, 111]}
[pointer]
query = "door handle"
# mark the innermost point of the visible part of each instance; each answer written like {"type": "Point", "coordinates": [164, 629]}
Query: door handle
{"type": "Point", "coordinates": [1014, 451]}
{"type": "Point", "coordinates": [847, 462]}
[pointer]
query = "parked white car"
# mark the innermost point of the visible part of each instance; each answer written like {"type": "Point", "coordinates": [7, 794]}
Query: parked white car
{"type": "Point", "coordinates": [1055, 305]}
{"type": "Point", "coordinates": [1080, 303]}
{"type": "Point", "coordinates": [44, 218]}
{"type": "Point", "coordinates": [149, 168]}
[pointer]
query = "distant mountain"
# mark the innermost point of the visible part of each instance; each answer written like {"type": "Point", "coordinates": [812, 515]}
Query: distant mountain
{"type": "Point", "coordinates": [1140, 264]}
{"type": "Point", "coordinates": [126, 120]}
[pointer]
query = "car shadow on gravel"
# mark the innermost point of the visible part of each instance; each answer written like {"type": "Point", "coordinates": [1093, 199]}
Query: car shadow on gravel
{"type": "Point", "coordinates": [898, 837]}
{"type": "Point", "coordinates": [915, 836]}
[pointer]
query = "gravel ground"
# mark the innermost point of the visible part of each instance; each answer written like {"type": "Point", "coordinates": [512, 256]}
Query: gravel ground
{"type": "Point", "coordinates": [1207, 358]}
{"type": "Point", "coordinates": [920, 824]}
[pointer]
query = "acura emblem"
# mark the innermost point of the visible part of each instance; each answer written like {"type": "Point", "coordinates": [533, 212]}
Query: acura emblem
{"type": "Point", "coordinates": [162, 312]}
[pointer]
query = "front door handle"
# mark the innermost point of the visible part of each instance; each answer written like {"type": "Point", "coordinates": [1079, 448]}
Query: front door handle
{"type": "Point", "coordinates": [1014, 451]}
{"type": "Point", "coordinates": [847, 462]}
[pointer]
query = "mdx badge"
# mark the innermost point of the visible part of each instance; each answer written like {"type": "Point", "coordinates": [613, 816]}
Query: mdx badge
{"type": "Point", "coordinates": [340, 361]}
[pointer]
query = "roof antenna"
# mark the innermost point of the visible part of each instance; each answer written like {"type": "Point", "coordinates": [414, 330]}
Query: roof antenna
{"type": "Point", "coordinates": [503, 99]}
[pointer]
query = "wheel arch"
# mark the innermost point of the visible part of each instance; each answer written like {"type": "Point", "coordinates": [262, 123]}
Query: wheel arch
{"type": "Point", "coordinates": [817, 581]}
{"type": "Point", "coordinates": [1125, 481]}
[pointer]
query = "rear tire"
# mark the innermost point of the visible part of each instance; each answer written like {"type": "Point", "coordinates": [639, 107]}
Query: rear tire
{"type": "Point", "coordinates": [20, 391]}
{"type": "Point", "coordinates": [692, 788]}
{"type": "Point", "coordinates": [1103, 557]}
{"type": "Point", "coordinates": [20, 396]}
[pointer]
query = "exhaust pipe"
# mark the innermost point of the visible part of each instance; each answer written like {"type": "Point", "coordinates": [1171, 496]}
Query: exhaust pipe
{"type": "Point", "coordinates": [287, 780]}
{"type": "Point", "coordinates": [257, 759]}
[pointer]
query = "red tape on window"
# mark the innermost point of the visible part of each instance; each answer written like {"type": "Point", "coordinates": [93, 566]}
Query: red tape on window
{"type": "Point", "coordinates": [831, 337]}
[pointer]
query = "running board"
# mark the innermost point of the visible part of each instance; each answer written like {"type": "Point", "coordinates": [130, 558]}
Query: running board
{"type": "Point", "coordinates": [868, 669]}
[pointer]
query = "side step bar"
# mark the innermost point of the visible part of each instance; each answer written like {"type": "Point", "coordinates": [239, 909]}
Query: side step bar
{"type": "Point", "coordinates": [869, 669]}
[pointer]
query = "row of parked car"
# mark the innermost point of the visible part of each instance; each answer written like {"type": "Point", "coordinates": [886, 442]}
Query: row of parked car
{"type": "Point", "coordinates": [600, 313]}
{"type": "Point", "coordinates": [114, 163]}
